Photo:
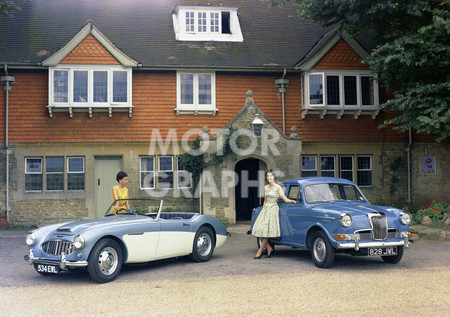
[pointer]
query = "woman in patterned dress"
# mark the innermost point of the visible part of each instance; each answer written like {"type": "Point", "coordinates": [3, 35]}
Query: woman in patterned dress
{"type": "Point", "coordinates": [267, 225]}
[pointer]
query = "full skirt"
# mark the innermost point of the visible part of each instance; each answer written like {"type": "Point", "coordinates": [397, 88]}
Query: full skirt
{"type": "Point", "coordinates": [267, 225]}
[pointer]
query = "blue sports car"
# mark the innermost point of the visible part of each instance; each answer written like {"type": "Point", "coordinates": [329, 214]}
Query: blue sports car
{"type": "Point", "coordinates": [137, 235]}
{"type": "Point", "coordinates": [333, 216]}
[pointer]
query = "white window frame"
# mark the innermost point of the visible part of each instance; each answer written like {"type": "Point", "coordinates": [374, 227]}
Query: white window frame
{"type": "Point", "coordinates": [68, 171]}
{"type": "Point", "coordinates": [341, 74]}
{"type": "Point", "coordinates": [34, 173]}
{"type": "Point", "coordinates": [147, 171]}
{"type": "Point", "coordinates": [182, 33]}
{"type": "Point", "coordinates": [53, 173]}
{"type": "Point", "coordinates": [315, 164]}
{"type": "Point", "coordinates": [196, 108]}
{"type": "Point", "coordinates": [324, 170]}
{"type": "Point", "coordinates": [165, 171]}
{"type": "Point", "coordinates": [347, 170]}
{"type": "Point", "coordinates": [370, 169]}
{"type": "Point", "coordinates": [89, 105]}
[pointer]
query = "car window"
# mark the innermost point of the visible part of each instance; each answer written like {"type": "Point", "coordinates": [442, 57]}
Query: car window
{"type": "Point", "coordinates": [328, 192]}
{"type": "Point", "coordinates": [352, 193]}
{"type": "Point", "coordinates": [294, 193]}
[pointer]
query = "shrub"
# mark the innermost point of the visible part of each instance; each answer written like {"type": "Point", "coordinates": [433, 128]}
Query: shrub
{"type": "Point", "coordinates": [435, 210]}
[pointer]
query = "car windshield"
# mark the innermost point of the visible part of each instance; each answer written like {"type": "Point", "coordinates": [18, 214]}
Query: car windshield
{"type": "Point", "coordinates": [139, 206]}
{"type": "Point", "coordinates": [330, 192]}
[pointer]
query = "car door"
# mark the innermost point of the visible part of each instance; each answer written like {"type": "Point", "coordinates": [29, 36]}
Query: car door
{"type": "Point", "coordinates": [176, 238]}
{"type": "Point", "coordinates": [292, 216]}
{"type": "Point", "coordinates": [142, 241]}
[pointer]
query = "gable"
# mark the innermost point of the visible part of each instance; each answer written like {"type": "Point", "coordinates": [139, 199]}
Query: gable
{"type": "Point", "coordinates": [90, 51]}
{"type": "Point", "coordinates": [90, 41]}
{"type": "Point", "coordinates": [341, 56]}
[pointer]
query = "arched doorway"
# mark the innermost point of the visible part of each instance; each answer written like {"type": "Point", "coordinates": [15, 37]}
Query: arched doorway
{"type": "Point", "coordinates": [250, 174]}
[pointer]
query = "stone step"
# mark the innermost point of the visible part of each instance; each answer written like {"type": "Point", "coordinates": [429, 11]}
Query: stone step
{"type": "Point", "coordinates": [429, 233]}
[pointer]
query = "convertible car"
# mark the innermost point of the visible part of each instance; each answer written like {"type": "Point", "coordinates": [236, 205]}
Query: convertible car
{"type": "Point", "coordinates": [333, 216]}
{"type": "Point", "coordinates": [137, 235]}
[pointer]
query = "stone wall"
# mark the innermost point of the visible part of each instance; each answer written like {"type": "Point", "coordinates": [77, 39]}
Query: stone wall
{"type": "Point", "coordinates": [429, 186]}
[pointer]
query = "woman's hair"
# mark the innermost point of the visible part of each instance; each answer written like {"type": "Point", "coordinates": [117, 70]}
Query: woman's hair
{"type": "Point", "coordinates": [121, 175]}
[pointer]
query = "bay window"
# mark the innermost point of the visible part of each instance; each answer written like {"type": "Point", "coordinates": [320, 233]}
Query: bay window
{"type": "Point", "coordinates": [339, 91]}
{"type": "Point", "coordinates": [74, 88]}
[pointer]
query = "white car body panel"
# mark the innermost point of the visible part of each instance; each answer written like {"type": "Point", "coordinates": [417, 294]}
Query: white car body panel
{"type": "Point", "coordinates": [174, 243]}
{"type": "Point", "coordinates": [141, 247]}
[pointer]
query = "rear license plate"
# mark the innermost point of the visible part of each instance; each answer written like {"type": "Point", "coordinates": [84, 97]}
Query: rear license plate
{"type": "Point", "coordinates": [382, 251]}
{"type": "Point", "coordinates": [46, 268]}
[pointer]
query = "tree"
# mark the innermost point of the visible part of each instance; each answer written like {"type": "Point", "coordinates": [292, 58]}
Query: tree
{"type": "Point", "coordinates": [7, 7]}
{"type": "Point", "coordinates": [411, 58]}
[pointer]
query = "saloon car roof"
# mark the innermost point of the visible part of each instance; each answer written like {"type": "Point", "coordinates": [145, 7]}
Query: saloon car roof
{"type": "Point", "coordinates": [317, 180]}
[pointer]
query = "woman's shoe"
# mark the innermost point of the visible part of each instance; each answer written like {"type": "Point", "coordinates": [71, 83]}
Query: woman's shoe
{"type": "Point", "coordinates": [269, 254]}
{"type": "Point", "coordinates": [258, 257]}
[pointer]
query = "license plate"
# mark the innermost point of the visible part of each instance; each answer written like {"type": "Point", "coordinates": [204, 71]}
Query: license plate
{"type": "Point", "coordinates": [382, 251]}
{"type": "Point", "coordinates": [46, 268]}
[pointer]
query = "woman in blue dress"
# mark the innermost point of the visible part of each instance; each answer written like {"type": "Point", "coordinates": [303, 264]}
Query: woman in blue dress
{"type": "Point", "coordinates": [267, 225]}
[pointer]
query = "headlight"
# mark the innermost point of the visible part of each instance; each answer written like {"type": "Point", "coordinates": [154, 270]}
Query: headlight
{"type": "Point", "coordinates": [78, 242]}
{"type": "Point", "coordinates": [345, 220]}
{"type": "Point", "coordinates": [405, 218]}
{"type": "Point", "coordinates": [30, 239]}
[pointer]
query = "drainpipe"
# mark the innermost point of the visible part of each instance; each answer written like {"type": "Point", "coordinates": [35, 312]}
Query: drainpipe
{"type": "Point", "coordinates": [282, 83]}
{"type": "Point", "coordinates": [408, 158]}
{"type": "Point", "coordinates": [7, 81]}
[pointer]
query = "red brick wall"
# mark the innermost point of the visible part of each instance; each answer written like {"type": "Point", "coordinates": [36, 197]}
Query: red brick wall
{"type": "Point", "coordinates": [154, 99]}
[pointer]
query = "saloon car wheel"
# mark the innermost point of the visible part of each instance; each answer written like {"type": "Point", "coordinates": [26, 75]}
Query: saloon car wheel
{"type": "Point", "coordinates": [105, 261]}
{"type": "Point", "coordinates": [204, 243]}
{"type": "Point", "coordinates": [396, 258]}
{"type": "Point", "coordinates": [322, 252]}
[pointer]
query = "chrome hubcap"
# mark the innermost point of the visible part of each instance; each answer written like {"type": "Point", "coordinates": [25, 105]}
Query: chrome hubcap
{"type": "Point", "coordinates": [320, 250]}
{"type": "Point", "coordinates": [204, 244]}
{"type": "Point", "coordinates": [107, 261]}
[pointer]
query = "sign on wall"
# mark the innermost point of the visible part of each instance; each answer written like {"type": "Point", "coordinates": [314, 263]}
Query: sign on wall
{"type": "Point", "coordinates": [429, 164]}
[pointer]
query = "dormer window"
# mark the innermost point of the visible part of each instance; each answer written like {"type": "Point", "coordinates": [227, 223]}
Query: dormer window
{"type": "Point", "coordinates": [207, 23]}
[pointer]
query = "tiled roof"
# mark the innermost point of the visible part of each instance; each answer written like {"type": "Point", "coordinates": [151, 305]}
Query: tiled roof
{"type": "Point", "coordinates": [143, 30]}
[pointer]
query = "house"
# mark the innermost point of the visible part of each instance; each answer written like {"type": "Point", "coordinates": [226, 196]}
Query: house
{"type": "Point", "coordinates": [94, 87]}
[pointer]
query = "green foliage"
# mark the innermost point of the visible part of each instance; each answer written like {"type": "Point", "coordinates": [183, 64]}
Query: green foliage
{"type": "Point", "coordinates": [2, 209]}
{"type": "Point", "coordinates": [411, 58]}
{"type": "Point", "coordinates": [6, 8]}
{"type": "Point", "coordinates": [394, 166]}
{"type": "Point", "coordinates": [194, 160]}
{"type": "Point", "coordinates": [435, 210]}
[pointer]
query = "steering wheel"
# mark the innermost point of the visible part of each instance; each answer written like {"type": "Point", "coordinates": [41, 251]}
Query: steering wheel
{"type": "Point", "coordinates": [117, 211]}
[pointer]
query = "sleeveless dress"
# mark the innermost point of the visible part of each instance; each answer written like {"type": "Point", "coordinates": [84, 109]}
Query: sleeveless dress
{"type": "Point", "coordinates": [267, 225]}
{"type": "Point", "coordinates": [122, 193]}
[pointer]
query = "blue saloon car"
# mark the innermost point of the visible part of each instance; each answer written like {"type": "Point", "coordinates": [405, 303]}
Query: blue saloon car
{"type": "Point", "coordinates": [333, 216]}
{"type": "Point", "coordinates": [138, 235]}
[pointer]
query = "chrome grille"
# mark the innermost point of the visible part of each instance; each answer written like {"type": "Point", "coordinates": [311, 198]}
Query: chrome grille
{"type": "Point", "coordinates": [57, 247]}
{"type": "Point", "coordinates": [379, 226]}
{"type": "Point", "coordinates": [367, 234]}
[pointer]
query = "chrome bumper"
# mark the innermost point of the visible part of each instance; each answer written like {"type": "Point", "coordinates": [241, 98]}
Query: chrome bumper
{"type": "Point", "coordinates": [373, 244]}
{"type": "Point", "coordinates": [63, 263]}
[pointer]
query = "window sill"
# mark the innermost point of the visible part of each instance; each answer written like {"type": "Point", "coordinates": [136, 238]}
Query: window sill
{"type": "Point", "coordinates": [340, 111]}
{"type": "Point", "coordinates": [90, 109]}
{"type": "Point", "coordinates": [179, 111]}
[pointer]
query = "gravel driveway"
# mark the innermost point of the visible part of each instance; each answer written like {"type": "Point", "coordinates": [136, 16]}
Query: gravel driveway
{"type": "Point", "coordinates": [233, 284]}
